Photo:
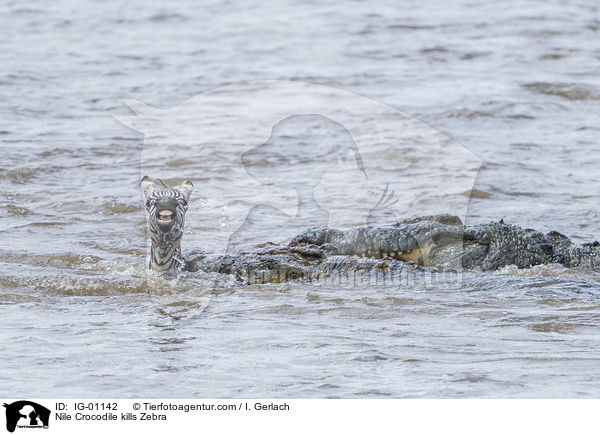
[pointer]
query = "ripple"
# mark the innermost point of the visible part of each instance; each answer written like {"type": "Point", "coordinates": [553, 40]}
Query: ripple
{"type": "Point", "coordinates": [114, 207]}
{"type": "Point", "coordinates": [569, 91]}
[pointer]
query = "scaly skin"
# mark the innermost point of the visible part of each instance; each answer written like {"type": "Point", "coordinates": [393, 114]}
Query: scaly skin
{"type": "Point", "coordinates": [440, 242]}
{"type": "Point", "coordinates": [275, 264]}
{"type": "Point", "coordinates": [443, 242]}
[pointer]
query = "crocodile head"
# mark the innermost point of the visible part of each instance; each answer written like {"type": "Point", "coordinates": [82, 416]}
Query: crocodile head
{"type": "Point", "coordinates": [166, 207]}
{"type": "Point", "coordinates": [434, 241]}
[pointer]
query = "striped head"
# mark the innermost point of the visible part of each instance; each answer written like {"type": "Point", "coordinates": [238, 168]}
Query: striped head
{"type": "Point", "coordinates": [166, 207]}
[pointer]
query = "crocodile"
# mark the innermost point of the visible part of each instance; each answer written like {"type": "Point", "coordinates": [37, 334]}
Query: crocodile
{"type": "Point", "coordinates": [441, 242]}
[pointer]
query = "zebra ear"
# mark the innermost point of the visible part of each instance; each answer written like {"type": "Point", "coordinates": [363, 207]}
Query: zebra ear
{"type": "Point", "coordinates": [148, 185]}
{"type": "Point", "coordinates": [186, 189]}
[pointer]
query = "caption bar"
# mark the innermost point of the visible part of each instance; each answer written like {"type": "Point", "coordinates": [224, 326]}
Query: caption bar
{"type": "Point", "coordinates": [72, 416]}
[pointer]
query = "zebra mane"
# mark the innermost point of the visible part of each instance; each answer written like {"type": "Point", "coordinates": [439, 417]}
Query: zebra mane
{"type": "Point", "coordinates": [150, 185]}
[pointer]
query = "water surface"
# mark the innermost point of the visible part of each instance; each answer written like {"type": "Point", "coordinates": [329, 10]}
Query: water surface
{"type": "Point", "coordinates": [516, 84]}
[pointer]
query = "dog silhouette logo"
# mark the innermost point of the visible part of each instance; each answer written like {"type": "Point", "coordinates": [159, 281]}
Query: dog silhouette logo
{"type": "Point", "coordinates": [26, 414]}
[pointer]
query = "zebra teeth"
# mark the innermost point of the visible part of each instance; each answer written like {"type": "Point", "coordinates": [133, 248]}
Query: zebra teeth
{"type": "Point", "coordinates": [164, 216]}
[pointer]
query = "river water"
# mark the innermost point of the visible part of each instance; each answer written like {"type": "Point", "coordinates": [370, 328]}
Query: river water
{"type": "Point", "coordinates": [498, 102]}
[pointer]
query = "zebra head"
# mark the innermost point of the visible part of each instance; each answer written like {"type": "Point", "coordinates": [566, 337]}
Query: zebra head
{"type": "Point", "coordinates": [166, 207]}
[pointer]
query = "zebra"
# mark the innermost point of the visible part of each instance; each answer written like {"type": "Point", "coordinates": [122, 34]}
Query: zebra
{"type": "Point", "coordinates": [166, 207]}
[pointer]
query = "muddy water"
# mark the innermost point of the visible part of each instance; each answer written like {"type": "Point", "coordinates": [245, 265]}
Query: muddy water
{"type": "Point", "coordinates": [509, 97]}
